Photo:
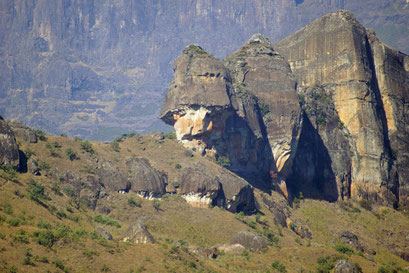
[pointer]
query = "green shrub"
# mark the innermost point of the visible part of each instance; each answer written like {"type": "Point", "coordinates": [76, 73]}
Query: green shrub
{"type": "Point", "coordinates": [87, 147]}
{"type": "Point", "coordinates": [45, 238]}
{"type": "Point", "coordinates": [27, 261]}
{"type": "Point", "coordinates": [223, 161]}
{"type": "Point", "coordinates": [344, 249]}
{"type": "Point", "coordinates": [252, 224]}
{"type": "Point", "coordinates": [72, 155]}
{"type": "Point", "coordinates": [170, 135]}
{"type": "Point", "coordinates": [264, 109]}
{"type": "Point", "coordinates": [9, 173]}
{"type": "Point", "coordinates": [178, 166]}
{"type": "Point", "coordinates": [279, 266]}
{"type": "Point", "coordinates": [29, 153]}
{"type": "Point", "coordinates": [69, 192]}
{"type": "Point", "coordinates": [41, 135]}
{"type": "Point", "coordinates": [36, 192]}
{"type": "Point", "coordinates": [42, 224]}
{"type": "Point", "coordinates": [115, 146]}
{"type": "Point", "coordinates": [56, 188]}
{"type": "Point", "coordinates": [44, 165]}
{"type": "Point", "coordinates": [106, 221]}
{"type": "Point", "coordinates": [7, 208]}
{"type": "Point", "coordinates": [134, 202]}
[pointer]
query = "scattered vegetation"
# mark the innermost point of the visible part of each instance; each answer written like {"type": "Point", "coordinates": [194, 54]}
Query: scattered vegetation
{"type": "Point", "coordinates": [41, 135]}
{"type": "Point", "coordinates": [134, 202]}
{"type": "Point", "coordinates": [223, 161]}
{"type": "Point", "coordinates": [279, 266]}
{"type": "Point", "coordinates": [72, 155]}
{"type": "Point", "coordinates": [36, 192]}
{"type": "Point", "coordinates": [170, 135]}
{"type": "Point", "coordinates": [87, 147]}
{"type": "Point", "coordinates": [106, 221]}
{"type": "Point", "coordinates": [8, 172]}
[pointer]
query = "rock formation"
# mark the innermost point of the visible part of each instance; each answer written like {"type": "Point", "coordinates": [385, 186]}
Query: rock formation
{"type": "Point", "coordinates": [22, 131]}
{"type": "Point", "coordinates": [392, 74]}
{"type": "Point", "coordinates": [202, 186]}
{"type": "Point", "coordinates": [249, 240]}
{"type": "Point", "coordinates": [333, 64]}
{"type": "Point", "coordinates": [259, 70]}
{"type": "Point", "coordinates": [208, 117]}
{"type": "Point", "coordinates": [138, 233]}
{"type": "Point", "coordinates": [144, 179]}
{"type": "Point", "coordinates": [9, 154]}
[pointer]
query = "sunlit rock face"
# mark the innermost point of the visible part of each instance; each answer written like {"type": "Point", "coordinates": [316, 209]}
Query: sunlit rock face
{"type": "Point", "coordinates": [333, 54]}
{"type": "Point", "coordinates": [392, 74]}
{"type": "Point", "coordinates": [259, 70]}
{"type": "Point", "coordinates": [208, 117]}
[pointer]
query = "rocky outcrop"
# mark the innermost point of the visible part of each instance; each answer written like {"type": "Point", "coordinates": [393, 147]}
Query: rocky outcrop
{"type": "Point", "coordinates": [202, 186]}
{"type": "Point", "coordinates": [138, 233]}
{"type": "Point", "coordinates": [111, 177]}
{"type": "Point", "coordinates": [9, 154]}
{"type": "Point", "coordinates": [258, 70]}
{"type": "Point", "coordinates": [334, 55]}
{"type": "Point", "coordinates": [144, 179]}
{"type": "Point", "coordinates": [86, 189]}
{"type": "Point", "coordinates": [22, 131]}
{"type": "Point", "coordinates": [392, 74]}
{"type": "Point", "coordinates": [207, 115]}
{"type": "Point", "coordinates": [104, 233]}
{"type": "Point", "coordinates": [345, 266]}
{"type": "Point", "coordinates": [250, 241]}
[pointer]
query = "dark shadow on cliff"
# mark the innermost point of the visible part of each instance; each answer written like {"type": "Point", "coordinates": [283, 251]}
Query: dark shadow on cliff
{"type": "Point", "coordinates": [311, 172]}
{"type": "Point", "coordinates": [255, 160]}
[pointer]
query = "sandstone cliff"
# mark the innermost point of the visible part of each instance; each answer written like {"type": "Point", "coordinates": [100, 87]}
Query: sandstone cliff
{"type": "Point", "coordinates": [333, 54]}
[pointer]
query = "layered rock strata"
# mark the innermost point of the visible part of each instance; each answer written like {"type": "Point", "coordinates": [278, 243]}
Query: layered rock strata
{"type": "Point", "coordinates": [333, 53]}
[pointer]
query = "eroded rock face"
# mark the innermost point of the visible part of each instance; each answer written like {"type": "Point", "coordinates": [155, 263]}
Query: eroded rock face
{"type": "Point", "coordinates": [22, 131]}
{"type": "Point", "coordinates": [202, 186]}
{"type": "Point", "coordinates": [138, 233]}
{"type": "Point", "coordinates": [9, 154]}
{"type": "Point", "coordinates": [259, 70]}
{"type": "Point", "coordinates": [207, 115]}
{"type": "Point", "coordinates": [333, 53]}
{"type": "Point", "coordinates": [144, 179]}
{"type": "Point", "coordinates": [392, 74]}
{"type": "Point", "coordinates": [111, 176]}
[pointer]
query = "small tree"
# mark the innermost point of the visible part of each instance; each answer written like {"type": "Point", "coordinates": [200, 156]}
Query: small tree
{"type": "Point", "coordinates": [223, 161]}
{"type": "Point", "coordinates": [156, 204]}
{"type": "Point", "coordinates": [72, 155]}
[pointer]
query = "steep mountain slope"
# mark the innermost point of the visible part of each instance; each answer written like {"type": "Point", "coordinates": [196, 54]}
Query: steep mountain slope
{"type": "Point", "coordinates": [98, 69]}
{"type": "Point", "coordinates": [55, 218]}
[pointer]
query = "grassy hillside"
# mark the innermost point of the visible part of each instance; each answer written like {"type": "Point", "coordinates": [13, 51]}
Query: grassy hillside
{"type": "Point", "coordinates": [43, 228]}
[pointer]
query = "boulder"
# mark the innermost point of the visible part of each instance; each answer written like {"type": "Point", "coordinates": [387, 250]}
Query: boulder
{"type": "Point", "coordinates": [230, 248]}
{"type": "Point", "coordinates": [203, 185]}
{"type": "Point", "coordinates": [111, 176]}
{"type": "Point", "coordinates": [345, 266]}
{"type": "Point", "coordinates": [138, 233]}
{"type": "Point", "coordinates": [205, 252]}
{"type": "Point", "coordinates": [250, 241]}
{"type": "Point", "coordinates": [352, 240]}
{"type": "Point", "coordinates": [104, 233]}
{"type": "Point", "coordinates": [144, 179]}
{"type": "Point", "coordinates": [22, 131]}
{"type": "Point", "coordinates": [9, 154]}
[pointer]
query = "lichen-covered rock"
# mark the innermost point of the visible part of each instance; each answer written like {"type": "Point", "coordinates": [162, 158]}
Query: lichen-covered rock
{"type": "Point", "coordinates": [202, 186]}
{"type": "Point", "coordinates": [144, 179]}
{"type": "Point", "coordinates": [138, 233]}
{"type": "Point", "coordinates": [104, 233]}
{"type": "Point", "coordinates": [345, 266]}
{"type": "Point", "coordinates": [230, 248]}
{"type": "Point", "coordinates": [259, 70]}
{"type": "Point", "coordinates": [111, 176]}
{"type": "Point", "coordinates": [333, 52]}
{"type": "Point", "coordinates": [22, 131]}
{"type": "Point", "coordinates": [9, 154]}
{"type": "Point", "coordinates": [250, 241]}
